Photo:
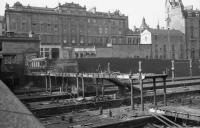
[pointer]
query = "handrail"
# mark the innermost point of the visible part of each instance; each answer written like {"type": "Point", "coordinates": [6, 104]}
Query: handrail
{"type": "Point", "coordinates": [161, 120]}
{"type": "Point", "coordinates": [177, 125]}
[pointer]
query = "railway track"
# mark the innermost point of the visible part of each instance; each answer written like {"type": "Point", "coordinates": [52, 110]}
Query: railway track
{"type": "Point", "coordinates": [58, 108]}
{"type": "Point", "coordinates": [189, 82]}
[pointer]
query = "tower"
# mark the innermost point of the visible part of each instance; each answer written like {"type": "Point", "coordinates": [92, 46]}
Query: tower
{"type": "Point", "coordinates": [174, 15]}
{"type": "Point", "coordinates": [143, 25]}
{"type": "Point", "coordinates": [158, 25]}
{"type": "Point", "coordinates": [186, 20]}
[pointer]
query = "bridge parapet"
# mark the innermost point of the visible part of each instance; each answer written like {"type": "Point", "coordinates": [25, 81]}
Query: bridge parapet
{"type": "Point", "coordinates": [101, 75]}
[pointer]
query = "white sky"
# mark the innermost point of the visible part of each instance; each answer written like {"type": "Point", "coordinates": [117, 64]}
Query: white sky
{"type": "Point", "coordinates": [152, 10]}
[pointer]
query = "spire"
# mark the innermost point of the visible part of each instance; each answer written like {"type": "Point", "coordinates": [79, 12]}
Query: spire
{"type": "Point", "coordinates": [59, 4]}
{"type": "Point", "coordinates": [181, 4]}
{"type": "Point", "coordinates": [143, 21]}
{"type": "Point", "coordinates": [7, 6]}
{"type": "Point", "coordinates": [144, 24]}
{"type": "Point", "coordinates": [158, 25]}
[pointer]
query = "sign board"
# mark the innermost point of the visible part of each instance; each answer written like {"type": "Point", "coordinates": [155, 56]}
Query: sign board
{"type": "Point", "coordinates": [85, 49]}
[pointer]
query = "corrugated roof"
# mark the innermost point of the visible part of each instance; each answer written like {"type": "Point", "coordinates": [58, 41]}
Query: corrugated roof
{"type": "Point", "coordinates": [13, 114]}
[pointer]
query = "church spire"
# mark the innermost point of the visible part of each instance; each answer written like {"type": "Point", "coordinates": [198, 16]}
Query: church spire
{"type": "Point", "coordinates": [158, 25]}
{"type": "Point", "coordinates": [144, 25]}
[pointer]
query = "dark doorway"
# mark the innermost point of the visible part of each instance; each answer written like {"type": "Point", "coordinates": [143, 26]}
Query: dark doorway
{"type": "Point", "coordinates": [55, 53]}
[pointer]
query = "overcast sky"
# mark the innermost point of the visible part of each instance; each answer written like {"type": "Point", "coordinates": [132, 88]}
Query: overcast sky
{"type": "Point", "coordinates": [152, 10]}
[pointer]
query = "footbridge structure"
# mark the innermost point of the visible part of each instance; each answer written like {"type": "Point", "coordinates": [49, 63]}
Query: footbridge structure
{"type": "Point", "coordinates": [114, 78]}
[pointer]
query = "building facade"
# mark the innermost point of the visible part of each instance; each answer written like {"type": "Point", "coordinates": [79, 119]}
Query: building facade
{"type": "Point", "coordinates": [14, 51]}
{"type": "Point", "coordinates": [1, 25]}
{"type": "Point", "coordinates": [67, 26]}
{"type": "Point", "coordinates": [187, 20]}
{"type": "Point", "coordinates": [165, 44]}
{"type": "Point", "coordinates": [132, 37]}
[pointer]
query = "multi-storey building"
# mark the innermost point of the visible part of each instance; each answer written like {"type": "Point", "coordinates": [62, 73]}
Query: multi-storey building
{"type": "Point", "coordinates": [1, 25]}
{"type": "Point", "coordinates": [165, 44]}
{"type": "Point", "coordinates": [14, 52]}
{"type": "Point", "coordinates": [67, 27]}
{"type": "Point", "coordinates": [187, 20]}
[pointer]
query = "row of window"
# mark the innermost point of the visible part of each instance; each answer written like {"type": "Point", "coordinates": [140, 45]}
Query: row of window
{"type": "Point", "coordinates": [53, 39]}
{"type": "Point", "coordinates": [191, 14]}
{"type": "Point", "coordinates": [36, 64]}
{"type": "Point", "coordinates": [36, 27]}
{"type": "Point", "coordinates": [45, 54]}
{"type": "Point", "coordinates": [171, 37]}
{"type": "Point", "coordinates": [51, 28]}
{"type": "Point", "coordinates": [85, 54]}
{"type": "Point", "coordinates": [10, 60]}
{"type": "Point", "coordinates": [131, 40]}
{"type": "Point", "coordinates": [90, 20]}
{"type": "Point", "coordinates": [55, 28]}
{"type": "Point", "coordinates": [49, 52]}
{"type": "Point", "coordinates": [105, 21]}
{"type": "Point", "coordinates": [164, 52]}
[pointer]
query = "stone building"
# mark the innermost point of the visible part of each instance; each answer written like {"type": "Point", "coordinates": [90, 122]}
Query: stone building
{"type": "Point", "coordinates": [14, 48]}
{"type": "Point", "coordinates": [132, 37]}
{"type": "Point", "coordinates": [165, 44]}
{"type": "Point", "coordinates": [185, 19]}
{"type": "Point", "coordinates": [131, 48]}
{"type": "Point", "coordinates": [67, 26]}
{"type": "Point", "coordinates": [1, 25]}
{"type": "Point", "coordinates": [14, 51]}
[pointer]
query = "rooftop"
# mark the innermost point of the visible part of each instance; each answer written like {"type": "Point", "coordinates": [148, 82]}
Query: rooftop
{"type": "Point", "coordinates": [67, 8]}
{"type": "Point", "coordinates": [165, 31]}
